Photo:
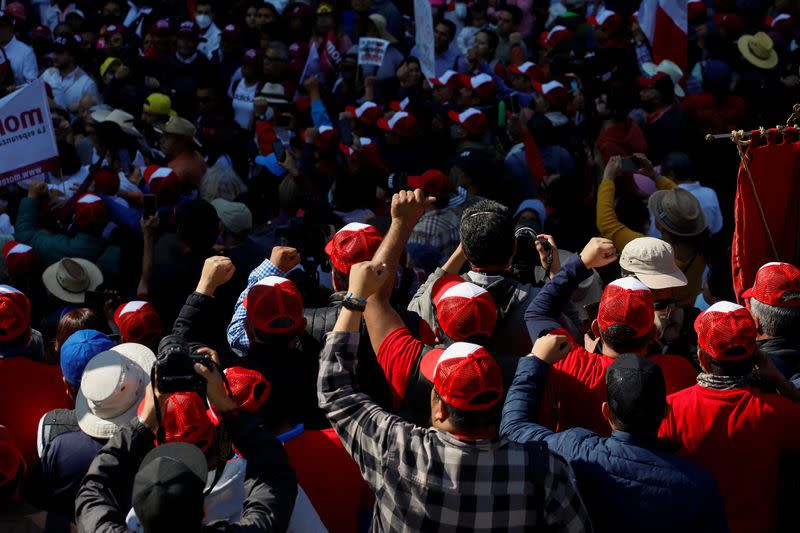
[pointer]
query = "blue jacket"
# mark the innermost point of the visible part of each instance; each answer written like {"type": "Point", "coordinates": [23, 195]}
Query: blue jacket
{"type": "Point", "coordinates": [628, 482]}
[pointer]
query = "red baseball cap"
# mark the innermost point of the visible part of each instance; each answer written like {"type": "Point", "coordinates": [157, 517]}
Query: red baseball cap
{"type": "Point", "coordinates": [553, 91]}
{"type": "Point", "coordinates": [18, 11]}
{"type": "Point", "coordinates": [776, 284]}
{"type": "Point", "coordinates": [231, 32]}
{"type": "Point", "coordinates": [161, 27]}
{"type": "Point", "coordinates": [185, 419]}
{"type": "Point", "coordinates": [463, 309]}
{"type": "Point", "coordinates": [368, 112]}
{"type": "Point", "coordinates": [106, 182]}
{"type": "Point", "coordinates": [10, 458]}
{"type": "Point", "coordinates": [252, 56]}
{"type": "Point", "coordinates": [529, 69]}
{"type": "Point", "coordinates": [780, 21]}
{"type": "Point", "coordinates": [650, 81]}
{"type": "Point", "coordinates": [353, 244]}
{"type": "Point", "coordinates": [450, 78]}
{"type": "Point", "coordinates": [482, 84]}
{"type": "Point", "coordinates": [401, 123]}
{"type": "Point", "coordinates": [162, 182]}
{"type": "Point", "coordinates": [349, 151]}
{"type": "Point", "coordinates": [434, 182]}
{"type": "Point", "coordinates": [696, 9]}
{"type": "Point", "coordinates": [465, 375]}
{"type": "Point", "coordinates": [556, 36]}
{"type": "Point", "coordinates": [249, 390]}
{"type": "Point", "coordinates": [399, 105]}
{"type": "Point", "coordinates": [473, 120]}
{"type": "Point", "coordinates": [274, 306]}
{"type": "Point", "coordinates": [90, 209]}
{"type": "Point", "coordinates": [608, 21]}
{"type": "Point", "coordinates": [628, 302]}
{"type": "Point", "coordinates": [138, 321]}
{"type": "Point", "coordinates": [20, 258]}
{"type": "Point", "coordinates": [326, 137]}
{"type": "Point", "coordinates": [727, 332]}
{"type": "Point", "coordinates": [15, 313]}
{"type": "Point", "coordinates": [188, 28]}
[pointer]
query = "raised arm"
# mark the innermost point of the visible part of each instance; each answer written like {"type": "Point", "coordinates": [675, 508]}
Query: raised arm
{"type": "Point", "coordinates": [194, 320]}
{"type": "Point", "coordinates": [363, 427]}
{"type": "Point", "coordinates": [521, 409]}
{"type": "Point", "coordinates": [543, 312]}
{"type": "Point", "coordinates": [280, 262]}
{"type": "Point", "coordinates": [381, 319]}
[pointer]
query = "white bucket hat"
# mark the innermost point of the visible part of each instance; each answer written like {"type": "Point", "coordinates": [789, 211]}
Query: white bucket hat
{"type": "Point", "coordinates": [69, 279]}
{"type": "Point", "coordinates": [113, 384]}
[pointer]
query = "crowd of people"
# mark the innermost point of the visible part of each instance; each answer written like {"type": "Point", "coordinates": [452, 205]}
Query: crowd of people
{"type": "Point", "coordinates": [272, 289]}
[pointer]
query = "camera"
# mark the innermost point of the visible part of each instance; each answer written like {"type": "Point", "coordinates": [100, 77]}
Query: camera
{"type": "Point", "coordinates": [175, 366]}
{"type": "Point", "coordinates": [526, 258]}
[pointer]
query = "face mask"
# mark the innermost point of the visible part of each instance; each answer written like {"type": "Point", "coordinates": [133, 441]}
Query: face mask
{"type": "Point", "coordinates": [204, 21]}
{"type": "Point", "coordinates": [461, 10]}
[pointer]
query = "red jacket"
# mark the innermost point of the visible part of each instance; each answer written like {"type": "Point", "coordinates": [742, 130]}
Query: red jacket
{"type": "Point", "coordinates": [738, 435]}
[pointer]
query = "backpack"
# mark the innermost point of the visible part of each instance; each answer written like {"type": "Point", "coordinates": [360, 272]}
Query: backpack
{"type": "Point", "coordinates": [55, 423]}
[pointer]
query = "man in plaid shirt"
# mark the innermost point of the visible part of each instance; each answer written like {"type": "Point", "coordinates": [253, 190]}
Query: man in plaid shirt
{"type": "Point", "coordinates": [456, 475]}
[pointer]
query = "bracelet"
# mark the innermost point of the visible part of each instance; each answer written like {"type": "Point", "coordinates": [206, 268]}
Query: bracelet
{"type": "Point", "coordinates": [353, 303]}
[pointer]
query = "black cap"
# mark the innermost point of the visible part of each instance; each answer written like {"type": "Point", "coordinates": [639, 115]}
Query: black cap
{"type": "Point", "coordinates": [171, 478]}
{"type": "Point", "coordinates": [636, 392]}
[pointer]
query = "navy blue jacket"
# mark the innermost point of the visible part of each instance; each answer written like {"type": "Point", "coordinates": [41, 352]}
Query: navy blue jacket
{"type": "Point", "coordinates": [628, 482]}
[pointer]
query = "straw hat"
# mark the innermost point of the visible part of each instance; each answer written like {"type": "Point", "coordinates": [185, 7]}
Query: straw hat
{"type": "Point", "coordinates": [69, 279]}
{"type": "Point", "coordinates": [112, 386]}
{"type": "Point", "coordinates": [380, 25]}
{"type": "Point", "coordinates": [759, 50]}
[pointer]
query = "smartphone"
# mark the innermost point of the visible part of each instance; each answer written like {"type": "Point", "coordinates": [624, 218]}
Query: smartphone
{"type": "Point", "coordinates": [279, 150]}
{"type": "Point", "coordinates": [630, 164]}
{"type": "Point", "coordinates": [345, 133]}
{"type": "Point", "coordinates": [150, 206]}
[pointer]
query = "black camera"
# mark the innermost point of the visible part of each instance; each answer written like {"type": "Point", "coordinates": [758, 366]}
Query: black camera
{"type": "Point", "coordinates": [526, 258]}
{"type": "Point", "coordinates": [175, 366]}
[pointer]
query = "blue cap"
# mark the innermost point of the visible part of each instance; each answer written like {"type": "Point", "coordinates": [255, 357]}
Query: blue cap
{"type": "Point", "coordinates": [78, 350]}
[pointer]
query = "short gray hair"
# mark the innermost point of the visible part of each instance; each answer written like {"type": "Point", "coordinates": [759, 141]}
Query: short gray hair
{"type": "Point", "coordinates": [776, 321]}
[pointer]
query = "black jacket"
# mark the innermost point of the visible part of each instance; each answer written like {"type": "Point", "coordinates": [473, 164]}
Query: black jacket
{"type": "Point", "coordinates": [785, 353]}
{"type": "Point", "coordinates": [105, 495]}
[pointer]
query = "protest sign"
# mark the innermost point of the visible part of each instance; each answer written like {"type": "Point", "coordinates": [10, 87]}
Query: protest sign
{"type": "Point", "coordinates": [423, 22]}
{"type": "Point", "coordinates": [27, 140]}
{"type": "Point", "coordinates": [371, 51]}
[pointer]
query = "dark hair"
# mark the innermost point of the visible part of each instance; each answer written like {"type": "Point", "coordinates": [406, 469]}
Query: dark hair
{"type": "Point", "coordinates": [206, 3]}
{"type": "Point", "coordinates": [621, 339]}
{"type": "Point", "coordinates": [451, 27]}
{"type": "Point", "coordinates": [342, 279]}
{"type": "Point", "coordinates": [514, 11]}
{"type": "Point", "coordinates": [487, 234]}
{"type": "Point", "coordinates": [632, 211]}
{"type": "Point", "coordinates": [494, 40]}
{"type": "Point", "coordinates": [76, 320]}
{"type": "Point", "coordinates": [198, 225]}
{"type": "Point", "coordinates": [636, 394]}
{"type": "Point", "coordinates": [729, 368]}
{"type": "Point", "coordinates": [680, 164]}
{"type": "Point", "coordinates": [471, 422]}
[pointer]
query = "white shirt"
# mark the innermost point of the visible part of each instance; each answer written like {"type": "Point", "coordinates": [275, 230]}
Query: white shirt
{"type": "Point", "coordinates": [68, 90]}
{"type": "Point", "coordinates": [23, 61]}
{"type": "Point", "coordinates": [242, 101]}
{"type": "Point", "coordinates": [709, 202]}
{"type": "Point", "coordinates": [213, 38]}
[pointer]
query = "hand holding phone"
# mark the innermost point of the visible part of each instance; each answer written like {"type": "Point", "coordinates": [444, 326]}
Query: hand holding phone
{"type": "Point", "coordinates": [345, 133]}
{"type": "Point", "coordinates": [630, 164]}
{"type": "Point", "coordinates": [279, 150]}
{"type": "Point", "coordinates": [150, 205]}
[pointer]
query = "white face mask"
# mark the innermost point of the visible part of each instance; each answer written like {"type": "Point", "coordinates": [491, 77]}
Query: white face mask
{"type": "Point", "coordinates": [461, 10]}
{"type": "Point", "coordinates": [204, 21]}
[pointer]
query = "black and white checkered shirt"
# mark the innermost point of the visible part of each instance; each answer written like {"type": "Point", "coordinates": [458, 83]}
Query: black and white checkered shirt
{"type": "Point", "coordinates": [428, 480]}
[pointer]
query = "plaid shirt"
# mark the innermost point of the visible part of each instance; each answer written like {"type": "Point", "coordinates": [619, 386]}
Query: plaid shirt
{"type": "Point", "coordinates": [439, 229]}
{"type": "Point", "coordinates": [429, 480]}
{"type": "Point", "coordinates": [237, 336]}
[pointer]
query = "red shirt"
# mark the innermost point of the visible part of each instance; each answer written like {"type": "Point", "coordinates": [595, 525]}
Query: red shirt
{"type": "Point", "coordinates": [397, 356]}
{"type": "Point", "coordinates": [738, 436]}
{"type": "Point", "coordinates": [330, 478]}
{"type": "Point", "coordinates": [576, 388]}
{"type": "Point", "coordinates": [28, 389]}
